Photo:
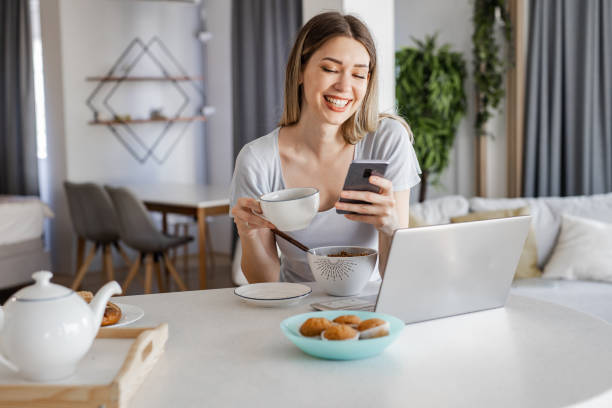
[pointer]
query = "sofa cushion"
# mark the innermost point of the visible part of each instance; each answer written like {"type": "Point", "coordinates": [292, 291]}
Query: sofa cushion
{"type": "Point", "coordinates": [438, 210]}
{"type": "Point", "coordinates": [546, 214]}
{"type": "Point", "coordinates": [416, 222]}
{"type": "Point", "coordinates": [528, 263]}
{"type": "Point", "coordinates": [583, 250]}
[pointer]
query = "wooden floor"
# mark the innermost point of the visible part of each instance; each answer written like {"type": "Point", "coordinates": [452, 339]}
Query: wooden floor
{"type": "Point", "coordinates": [219, 277]}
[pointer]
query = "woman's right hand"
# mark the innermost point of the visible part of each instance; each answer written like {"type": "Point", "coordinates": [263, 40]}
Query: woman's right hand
{"type": "Point", "coordinates": [259, 261]}
{"type": "Point", "coordinates": [246, 221]}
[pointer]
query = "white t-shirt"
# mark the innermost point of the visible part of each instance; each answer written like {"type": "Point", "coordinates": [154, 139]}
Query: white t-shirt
{"type": "Point", "coordinates": [258, 171]}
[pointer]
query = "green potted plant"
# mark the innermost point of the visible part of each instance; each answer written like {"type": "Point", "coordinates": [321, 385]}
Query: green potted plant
{"type": "Point", "coordinates": [489, 66]}
{"type": "Point", "coordinates": [430, 96]}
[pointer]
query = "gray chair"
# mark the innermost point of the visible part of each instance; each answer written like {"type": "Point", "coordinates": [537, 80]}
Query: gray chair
{"type": "Point", "coordinates": [94, 219]}
{"type": "Point", "coordinates": [140, 233]}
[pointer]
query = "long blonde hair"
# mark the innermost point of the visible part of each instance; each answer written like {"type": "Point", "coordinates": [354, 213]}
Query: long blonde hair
{"type": "Point", "coordinates": [311, 37]}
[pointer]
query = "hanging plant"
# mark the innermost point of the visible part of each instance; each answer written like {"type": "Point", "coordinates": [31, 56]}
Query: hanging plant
{"type": "Point", "coordinates": [430, 96]}
{"type": "Point", "coordinates": [489, 67]}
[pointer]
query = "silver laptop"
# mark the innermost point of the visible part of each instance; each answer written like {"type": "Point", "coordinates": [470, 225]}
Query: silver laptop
{"type": "Point", "coordinates": [446, 270]}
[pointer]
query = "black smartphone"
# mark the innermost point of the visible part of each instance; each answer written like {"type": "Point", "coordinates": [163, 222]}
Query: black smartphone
{"type": "Point", "coordinates": [357, 179]}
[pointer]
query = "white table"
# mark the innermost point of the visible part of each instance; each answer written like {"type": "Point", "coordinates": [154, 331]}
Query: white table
{"type": "Point", "coordinates": [196, 200]}
{"type": "Point", "coordinates": [222, 352]}
{"type": "Point", "coordinates": [591, 297]}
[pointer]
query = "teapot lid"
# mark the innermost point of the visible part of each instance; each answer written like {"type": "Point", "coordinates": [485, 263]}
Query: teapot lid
{"type": "Point", "coordinates": [42, 289]}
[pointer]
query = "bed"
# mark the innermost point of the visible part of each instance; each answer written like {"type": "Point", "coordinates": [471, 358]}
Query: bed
{"type": "Point", "coordinates": [22, 249]}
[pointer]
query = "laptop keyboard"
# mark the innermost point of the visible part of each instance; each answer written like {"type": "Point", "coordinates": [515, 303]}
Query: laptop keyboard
{"type": "Point", "coordinates": [366, 303]}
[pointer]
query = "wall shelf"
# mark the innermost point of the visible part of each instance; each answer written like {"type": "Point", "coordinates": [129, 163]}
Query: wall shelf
{"type": "Point", "coordinates": [139, 121]}
{"type": "Point", "coordinates": [169, 73]}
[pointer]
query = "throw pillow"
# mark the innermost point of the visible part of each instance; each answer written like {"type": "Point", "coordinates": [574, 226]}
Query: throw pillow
{"type": "Point", "coordinates": [528, 263]}
{"type": "Point", "coordinates": [415, 221]}
{"type": "Point", "coordinates": [583, 250]}
{"type": "Point", "coordinates": [437, 211]}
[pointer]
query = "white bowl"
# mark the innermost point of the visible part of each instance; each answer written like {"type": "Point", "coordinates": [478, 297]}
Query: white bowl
{"type": "Point", "coordinates": [342, 275]}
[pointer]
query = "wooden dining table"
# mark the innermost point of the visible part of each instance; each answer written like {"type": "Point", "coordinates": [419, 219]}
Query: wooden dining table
{"type": "Point", "coordinates": [197, 200]}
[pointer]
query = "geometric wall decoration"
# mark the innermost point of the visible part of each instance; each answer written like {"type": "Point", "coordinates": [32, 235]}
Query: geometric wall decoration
{"type": "Point", "coordinates": [141, 136]}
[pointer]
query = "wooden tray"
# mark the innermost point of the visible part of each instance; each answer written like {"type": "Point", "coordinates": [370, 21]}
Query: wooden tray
{"type": "Point", "coordinates": [140, 359]}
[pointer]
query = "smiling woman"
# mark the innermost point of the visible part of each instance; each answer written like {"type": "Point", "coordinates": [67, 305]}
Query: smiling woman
{"type": "Point", "coordinates": [330, 118]}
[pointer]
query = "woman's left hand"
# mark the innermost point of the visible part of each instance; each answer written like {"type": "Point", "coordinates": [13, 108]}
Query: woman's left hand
{"type": "Point", "coordinates": [381, 213]}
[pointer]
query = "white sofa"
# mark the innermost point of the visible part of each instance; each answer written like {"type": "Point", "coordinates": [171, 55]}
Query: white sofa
{"type": "Point", "coordinates": [592, 297]}
{"type": "Point", "coordinates": [22, 249]}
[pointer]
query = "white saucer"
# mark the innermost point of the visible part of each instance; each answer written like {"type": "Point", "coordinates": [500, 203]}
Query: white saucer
{"type": "Point", "coordinates": [129, 314]}
{"type": "Point", "coordinates": [273, 293]}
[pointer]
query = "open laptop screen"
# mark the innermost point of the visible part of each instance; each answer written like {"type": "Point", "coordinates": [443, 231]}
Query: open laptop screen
{"type": "Point", "coordinates": [451, 269]}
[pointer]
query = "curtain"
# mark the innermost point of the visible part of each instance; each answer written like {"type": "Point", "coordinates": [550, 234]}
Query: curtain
{"type": "Point", "coordinates": [263, 32]}
{"type": "Point", "coordinates": [568, 117]}
{"type": "Point", "coordinates": [18, 161]}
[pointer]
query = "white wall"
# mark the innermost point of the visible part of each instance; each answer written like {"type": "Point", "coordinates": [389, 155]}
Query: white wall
{"type": "Point", "coordinates": [452, 20]}
{"type": "Point", "coordinates": [311, 8]}
{"type": "Point", "coordinates": [378, 16]}
{"type": "Point", "coordinates": [218, 69]}
{"type": "Point", "coordinates": [93, 35]}
{"type": "Point", "coordinates": [84, 38]}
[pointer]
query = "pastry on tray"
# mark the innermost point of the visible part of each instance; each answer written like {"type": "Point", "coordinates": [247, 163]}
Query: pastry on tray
{"type": "Point", "coordinates": [86, 295]}
{"type": "Point", "coordinates": [112, 312]}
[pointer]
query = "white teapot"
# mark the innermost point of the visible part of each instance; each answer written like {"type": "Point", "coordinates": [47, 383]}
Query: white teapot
{"type": "Point", "coordinates": [46, 329]}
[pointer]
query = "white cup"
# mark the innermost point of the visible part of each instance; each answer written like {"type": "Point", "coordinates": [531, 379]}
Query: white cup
{"type": "Point", "coordinates": [291, 209]}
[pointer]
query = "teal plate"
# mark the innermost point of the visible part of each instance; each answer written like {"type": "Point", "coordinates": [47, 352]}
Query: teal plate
{"type": "Point", "coordinates": [340, 350]}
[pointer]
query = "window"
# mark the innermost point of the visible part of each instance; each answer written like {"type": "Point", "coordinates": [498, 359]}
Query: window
{"type": "Point", "coordinates": [39, 84]}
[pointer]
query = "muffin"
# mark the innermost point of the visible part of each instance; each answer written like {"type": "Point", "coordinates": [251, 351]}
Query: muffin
{"type": "Point", "coordinates": [350, 320]}
{"type": "Point", "coordinates": [372, 328]}
{"type": "Point", "coordinates": [340, 332]}
{"type": "Point", "coordinates": [314, 326]}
